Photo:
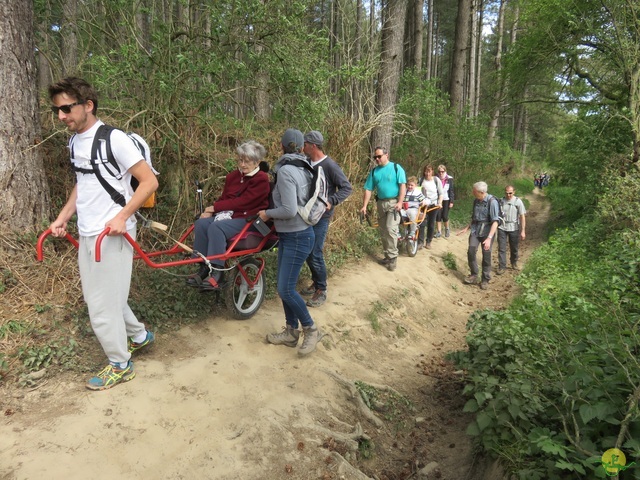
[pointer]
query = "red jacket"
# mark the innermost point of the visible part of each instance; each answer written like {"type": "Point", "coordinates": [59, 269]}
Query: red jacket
{"type": "Point", "coordinates": [244, 195]}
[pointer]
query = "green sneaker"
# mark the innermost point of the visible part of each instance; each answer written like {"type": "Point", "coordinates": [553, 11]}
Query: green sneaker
{"type": "Point", "coordinates": [110, 376]}
{"type": "Point", "coordinates": [150, 338]}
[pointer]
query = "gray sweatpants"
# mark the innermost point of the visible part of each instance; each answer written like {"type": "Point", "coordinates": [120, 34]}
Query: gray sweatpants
{"type": "Point", "coordinates": [105, 287]}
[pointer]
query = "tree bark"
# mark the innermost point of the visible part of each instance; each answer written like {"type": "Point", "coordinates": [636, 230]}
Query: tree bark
{"type": "Point", "coordinates": [390, 69]}
{"type": "Point", "coordinates": [499, 95]}
{"type": "Point", "coordinates": [460, 54]}
{"type": "Point", "coordinates": [430, 17]}
{"type": "Point", "coordinates": [418, 31]}
{"type": "Point", "coordinates": [24, 198]}
{"type": "Point", "coordinates": [69, 38]}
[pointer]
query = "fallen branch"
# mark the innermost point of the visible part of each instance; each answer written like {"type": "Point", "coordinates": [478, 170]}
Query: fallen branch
{"type": "Point", "coordinates": [346, 470]}
{"type": "Point", "coordinates": [362, 407]}
{"type": "Point", "coordinates": [350, 440]}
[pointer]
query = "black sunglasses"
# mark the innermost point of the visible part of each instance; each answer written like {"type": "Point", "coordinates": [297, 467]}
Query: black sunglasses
{"type": "Point", "coordinates": [376, 157]}
{"type": "Point", "coordinates": [66, 109]}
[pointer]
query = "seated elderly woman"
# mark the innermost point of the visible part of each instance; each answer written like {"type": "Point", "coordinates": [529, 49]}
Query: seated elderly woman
{"type": "Point", "coordinates": [245, 193]}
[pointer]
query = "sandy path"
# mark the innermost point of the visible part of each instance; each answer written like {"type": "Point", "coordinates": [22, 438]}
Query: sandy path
{"type": "Point", "coordinates": [215, 401]}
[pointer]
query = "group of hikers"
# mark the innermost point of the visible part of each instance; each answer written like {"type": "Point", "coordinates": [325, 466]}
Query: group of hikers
{"type": "Point", "coordinates": [541, 180]}
{"type": "Point", "coordinates": [396, 196]}
{"type": "Point", "coordinates": [104, 199]}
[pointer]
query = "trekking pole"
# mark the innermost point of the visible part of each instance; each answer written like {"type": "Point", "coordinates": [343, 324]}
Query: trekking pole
{"type": "Point", "coordinates": [199, 203]}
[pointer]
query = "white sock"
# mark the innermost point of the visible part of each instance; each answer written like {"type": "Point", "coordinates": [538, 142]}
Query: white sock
{"type": "Point", "coordinates": [140, 337]}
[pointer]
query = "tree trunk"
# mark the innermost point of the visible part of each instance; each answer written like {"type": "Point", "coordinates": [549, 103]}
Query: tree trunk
{"type": "Point", "coordinates": [429, 39]}
{"type": "Point", "coordinates": [390, 69]}
{"type": "Point", "coordinates": [499, 95]}
{"type": "Point", "coordinates": [459, 64]}
{"type": "Point", "coordinates": [418, 30]}
{"type": "Point", "coordinates": [262, 95]}
{"type": "Point", "coordinates": [473, 59]}
{"type": "Point", "coordinates": [476, 106]}
{"type": "Point", "coordinates": [24, 198]}
{"type": "Point", "coordinates": [68, 30]}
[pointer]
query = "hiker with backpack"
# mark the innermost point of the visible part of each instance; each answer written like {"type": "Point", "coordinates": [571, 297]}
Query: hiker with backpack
{"type": "Point", "coordinates": [390, 182]}
{"type": "Point", "coordinates": [512, 230]}
{"type": "Point", "coordinates": [105, 284]}
{"type": "Point", "coordinates": [432, 190]}
{"type": "Point", "coordinates": [245, 193]}
{"type": "Point", "coordinates": [483, 226]}
{"type": "Point", "coordinates": [292, 189]}
{"type": "Point", "coordinates": [339, 189]}
{"type": "Point", "coordinates": [448, 195]}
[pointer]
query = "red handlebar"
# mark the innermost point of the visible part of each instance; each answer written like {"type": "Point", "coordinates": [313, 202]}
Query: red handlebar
{"type": "Point", "coordinates": [43, 236]}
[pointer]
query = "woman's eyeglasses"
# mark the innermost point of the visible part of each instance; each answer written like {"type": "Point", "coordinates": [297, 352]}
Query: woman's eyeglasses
{"type": "Point", "coordinates": [66, 109]}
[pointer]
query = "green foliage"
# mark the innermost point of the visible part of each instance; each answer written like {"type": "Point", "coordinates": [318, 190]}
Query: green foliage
{"type": "Point", "coordinates": [553, 380]}
{"type": "Point", "coordinates": [36, 358]}
{"type": "Point", "coordinates": [449, 261]}
{"type": "Point", "coordinates": [374, 315]}
{"type": "Point", "coordinates": [433, 135]}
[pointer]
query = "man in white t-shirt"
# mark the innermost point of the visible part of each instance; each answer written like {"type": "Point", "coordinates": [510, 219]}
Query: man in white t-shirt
{"type": "Point", "coordinates": [105, 284]}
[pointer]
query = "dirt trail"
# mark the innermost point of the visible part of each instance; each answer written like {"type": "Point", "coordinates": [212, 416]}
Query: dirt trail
{"type": "Point", "coordinates": [215, 401]}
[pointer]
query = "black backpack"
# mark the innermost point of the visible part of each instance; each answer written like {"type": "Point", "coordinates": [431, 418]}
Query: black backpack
{"type": "Point", "coordinates": [103, 134]}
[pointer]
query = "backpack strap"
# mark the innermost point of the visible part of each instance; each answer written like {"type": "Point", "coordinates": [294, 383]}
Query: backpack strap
{"type": "Point", "coordinates": [103, 134]}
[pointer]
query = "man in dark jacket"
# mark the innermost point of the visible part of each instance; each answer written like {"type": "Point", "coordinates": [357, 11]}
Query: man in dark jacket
{"type": "Point", "coordinates": [339, 189]}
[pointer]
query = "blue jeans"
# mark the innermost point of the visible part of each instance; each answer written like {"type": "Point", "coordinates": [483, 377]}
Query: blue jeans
{"type": "Point", "coordinates": [315, 260]}
{"type": "Point", "coordinates": [211, 237]}
{"type": "Point", "coordinates": [293, 250]}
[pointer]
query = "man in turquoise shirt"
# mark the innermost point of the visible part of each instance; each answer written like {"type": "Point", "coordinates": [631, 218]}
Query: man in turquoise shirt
{"type": "Point", "coordinates": [390, 181]}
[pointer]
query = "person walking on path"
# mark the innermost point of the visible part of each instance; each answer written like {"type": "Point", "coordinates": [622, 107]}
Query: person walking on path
{"type": "Point", "coordinates": [296, 238]}
{"type": "Point", "coordinates": [448, 195]}
{"type": "Point", "coordinates": [512, 230]}
{"type": "Point", "coordinates": [105, 284]}
{"type": "Point", "coordinates": [390, 182]}
{"type": "Point", "coordinates": [432, 190]}
{"type": "Point", "coordinates": [483, 226]}
{"type": "Point", "coordinates": [339, 190]}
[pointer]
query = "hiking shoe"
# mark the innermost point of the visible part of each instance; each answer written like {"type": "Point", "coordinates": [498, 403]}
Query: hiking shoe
{"type": "Point", "coordinates": [501, 270]}
{"type": "Point", "coordinates": [447, 233]}
{"type": "Point", "coordinates": [484, 285]}
{"type": "Point", "coordinates": [318, 299]}
{"type": "Point", "coordinates": [134, 346]}
{"type": "Point", "coordinates": [385, 261]}
{"type": "Point", "coordinates": [110, 376]}
{"type": "Point", "coordinates": [428, 247]}
{"type": "Point", "coordinates": [393, 263]}
{"type": "Point", "coordinates": [437, 235]}
{"type": "Point", "coordinates": [289, 337]}
{"type": "Point", "coordinates": [310, 340]}
{"type": "Point", "coordinates": [310, 290]}
{"type": "Point", "coordinates": [196, 279]}
{"type": "Point", "coordinates": [515, 266]}
{"type": "Point", "coordinates": [471, 280]}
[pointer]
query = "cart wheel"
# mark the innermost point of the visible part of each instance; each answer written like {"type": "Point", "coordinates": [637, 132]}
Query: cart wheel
{"type": "Point", "coordinates": [412, 247]}
{"type": "Point", "coordinates": [241, 300]}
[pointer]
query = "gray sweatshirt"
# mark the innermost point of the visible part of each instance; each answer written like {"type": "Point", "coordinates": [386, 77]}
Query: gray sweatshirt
{"type": "Point", "coordinates": [291, 189]}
